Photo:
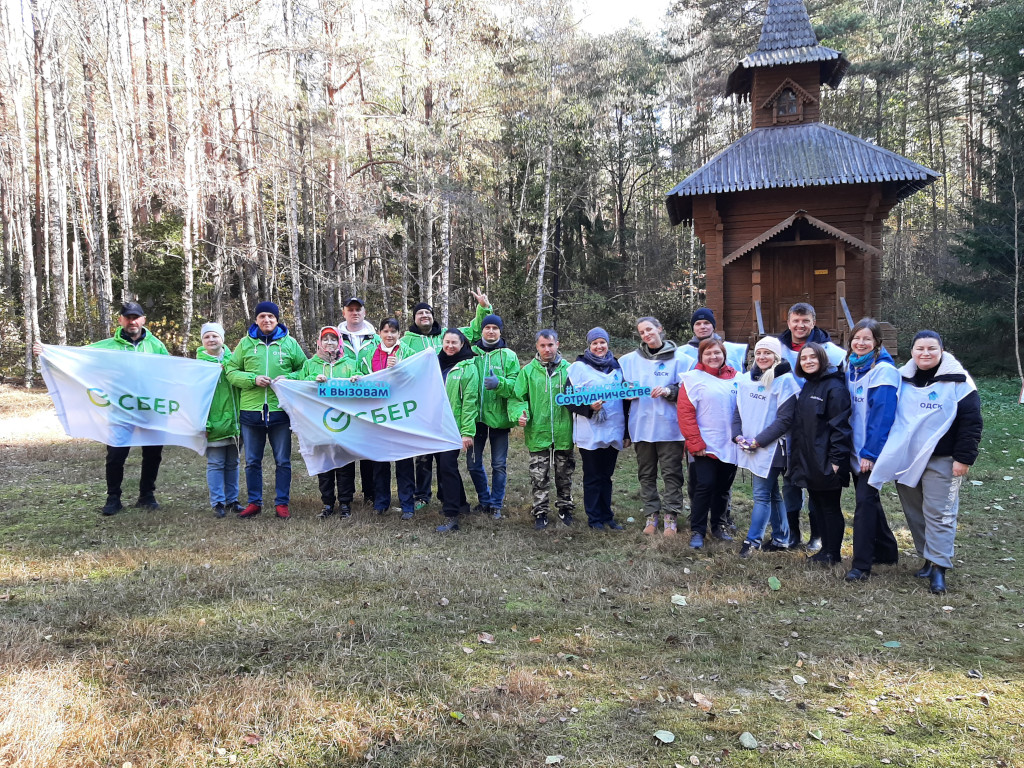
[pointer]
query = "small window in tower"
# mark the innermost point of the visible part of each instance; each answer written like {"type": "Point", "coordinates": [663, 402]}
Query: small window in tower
{"type": "Point", "coordinates": [786, 104]}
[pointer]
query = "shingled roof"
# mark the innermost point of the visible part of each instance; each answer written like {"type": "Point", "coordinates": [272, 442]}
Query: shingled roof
{"type": "Point", "coordinates": [787, 37]}
{"type": "Point", "coordinates": [805, 155]}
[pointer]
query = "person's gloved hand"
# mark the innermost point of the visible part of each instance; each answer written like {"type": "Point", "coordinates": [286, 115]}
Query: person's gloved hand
{"type": "Point", "coordinates": [491, 381]}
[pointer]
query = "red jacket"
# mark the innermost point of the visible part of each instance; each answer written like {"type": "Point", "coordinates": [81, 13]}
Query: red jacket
{"type": "Point", "coordinates": [687, 414]}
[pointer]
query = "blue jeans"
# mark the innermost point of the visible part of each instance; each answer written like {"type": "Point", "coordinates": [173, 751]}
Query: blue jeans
{"type": "Point", "coordinates": [494, 497]}
{"type": "Point", "coordinates": [256, 430]}
{"type": "Point", "coordinates": [768, 507]}
{"type": "Point", "coordinates": [793, 497]}
{"type": "Point", "coordinates": [222, 474]}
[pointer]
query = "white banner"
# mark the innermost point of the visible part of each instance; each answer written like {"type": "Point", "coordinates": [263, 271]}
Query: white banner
{"type": "Point", "coordinates": [123, 398]}
{"type": "Point", "coordinates": [415, 419]}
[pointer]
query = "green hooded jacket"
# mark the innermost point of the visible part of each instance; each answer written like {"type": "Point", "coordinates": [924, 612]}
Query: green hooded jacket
{"type": "Point", "coordinates": [365, 364]}
{"type": "Point", "coordinates": [417, 342]}
{"type": "Point", "coordinates": [534, 392]}
{"type": "Point", "coordinates": [462, 386]}
{"type": "Point", "coordinates": [252, 357]}
{"type": "Point", "coordinates": [342, 368]}
{"type": "Point", "coordinates": [147, 343]}
{"type": "Point", "coordinates": [222, 422]}
{"type": "Point", "coordinates": [504, 364]}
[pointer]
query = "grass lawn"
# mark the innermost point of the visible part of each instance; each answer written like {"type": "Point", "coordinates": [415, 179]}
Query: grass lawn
{"type": "Point", "coordinates": [171, 638]}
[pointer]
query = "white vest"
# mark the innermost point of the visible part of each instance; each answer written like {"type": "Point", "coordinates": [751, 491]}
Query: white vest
{"type": "Point", "coordinates": [923, 416]}
{"type": "Point", "coordinates": [714, 400]}
{"type": "Point", "coordinates": [599, 431]}
{"type": "Point", "coordinates": [758, 408]}
{"type": "Point", "coordinates": [882, 375]}
{"type": "Point", "coordinates": [653, 419]}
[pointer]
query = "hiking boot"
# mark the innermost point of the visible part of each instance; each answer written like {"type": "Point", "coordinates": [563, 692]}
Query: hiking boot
{"type": "Point", "coordinates": [597, 526]}
{"type": "Point", "coordinates": [856, 574]}
{"type": "Point", "coordinates": [722, 534]}
{"type": "Point", "coordinates": [146, 502]}
{"type": "Point", "coordinates": [823, 558]}
{"type": "Point", "coordinates": [670, 525]}
{"type": "Point", "coordinates": [651, 525]}
{"type": "Point", "coordinates": [451, 524]}
{"type": "Point", "coordinates": [233, 506]}
{"type": "Point", "coordinates": [326, 512]}
{"type": "Point", "coordinates": [748, 549]}
{"type": "Point", "coordinates": [614, 526]}
{"type": "Point", "coordinates": [772, 546]}
{"type": "Point", "coordinates": [219, 510]}
{"type": "Point", "coordinates": [540, 522]}
{"type": "Point", "coordinates": [112, 507]}
{"type": "Point", "coordinates": [495, 513]}
{"type": "Point", "coordinates": [250, 511]}
{"type": "Point", "coordinates": [696, 541]}
{"type": "Point", "coordinates": [814, 545]}
{"type": "Point", "coordinates": [407, 515]}
{"type": "Point", "coordinates": [344, 511]}
{"type": "Point", "coordinates": [566, 518]}
{"type": "Point", "coordinates": [281, 510]}
{"type": "Point", "coordinates": [481, 509]}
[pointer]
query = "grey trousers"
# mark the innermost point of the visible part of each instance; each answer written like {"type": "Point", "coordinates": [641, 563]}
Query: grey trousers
{"type": "Point", "coordinates": [667, 455]}
{"type": "Point", "coordinates": [931, 508]}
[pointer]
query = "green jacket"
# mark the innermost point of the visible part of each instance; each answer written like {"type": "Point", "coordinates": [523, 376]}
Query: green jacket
{"type": "Point", "coordinates": [147, 343]}
{"type": "Point", "coordinates": [462, 385]}
{"type": "Point", "coordinates": [222, 422]}
{"type": "Point", "coordinates": [534, 392]}
{"type": "Point", "coordinates": [342, 368]}
{"type": "Point", "coordinates": [417, 342]}
{"type": "Point", "coordinates": [494, 402]}
{"type": "Point", "coordinates": [252, 358]}
{"type": "Point", "coordinates": [365, 362]}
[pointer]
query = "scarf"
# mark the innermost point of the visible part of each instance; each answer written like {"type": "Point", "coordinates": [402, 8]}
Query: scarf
{"type": "Point", "coordinates": [861, 360]}
{"type": "Point", "coordinates": [447, 362]}
{"type": "Point", "coordinates": [605, 364]}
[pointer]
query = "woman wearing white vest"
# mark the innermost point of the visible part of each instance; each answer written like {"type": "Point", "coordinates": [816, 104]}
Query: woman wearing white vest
{"type": "Point", "coordinates": [874, 383]}
{"type": "Point", "coordinates": [930, 450]}
{"type": "Point", "coordinates": [707, 399]}
{"type": "Point", "coordinates": [598, 429]}
{"type": "Point", "coordinates": [765, 403]}
{"type": "Point", "coordinates": [652, 424]}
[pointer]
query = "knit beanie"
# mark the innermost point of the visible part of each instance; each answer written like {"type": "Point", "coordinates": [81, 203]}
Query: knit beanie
{"type": "Point", "coordinates": [267, 306]}
{"type": "Point", "coordinates": [770, 343]}
{"type": "Point", "coordinates": [214, 327]}
{"type": "Point", "coordinates": [703, 314]}
{"type": "Point", "coordinates": [597, 333]}
{"type": "Point", "coordinates": [493, 320]}
{"type": "Point", "coordinates": [422, 305]}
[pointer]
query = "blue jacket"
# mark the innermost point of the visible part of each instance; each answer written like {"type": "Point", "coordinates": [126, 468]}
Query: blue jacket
{"type": "Point", "coordinates": [881, 408]}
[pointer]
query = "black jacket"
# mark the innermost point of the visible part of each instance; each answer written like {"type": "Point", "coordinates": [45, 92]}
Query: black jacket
{"type": "Point", "coordinates": [964, 434]}
{"type": "Point", "coordinates": [821, 435]}
{"type": "Point", "coordinates": [816, 335]}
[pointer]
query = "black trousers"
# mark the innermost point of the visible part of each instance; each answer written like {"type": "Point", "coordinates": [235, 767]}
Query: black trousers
{"type": "Point", "coordinates": [116, 457]}
{"type": "Point", "coordinates": [449, 484]}
{"type": "Point", "coordinates": [873, 541]}
{"type": "Point", "coordinates": [598, 468]}
{"type": "Point", "coordinates": [366, 481]}
{"type": "Point", "coordinates": [713, 481]}
{"type": "Point", "coordinates": [830, 521]}
{"type": "Point", "coordinates": [345, 477]}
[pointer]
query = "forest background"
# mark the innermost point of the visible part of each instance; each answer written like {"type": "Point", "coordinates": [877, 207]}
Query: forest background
{"type": "Point", "coordinates": [202, 156]}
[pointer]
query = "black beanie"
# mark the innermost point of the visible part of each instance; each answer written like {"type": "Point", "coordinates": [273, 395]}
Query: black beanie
{"type": "Point", "coordinates": [422, 305]}
{"type": "Point", "coordinates": [703, 314]}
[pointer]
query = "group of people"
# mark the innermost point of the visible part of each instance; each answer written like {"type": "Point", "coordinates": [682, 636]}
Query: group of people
{"type": "Point", "coordinates": [804, 411]}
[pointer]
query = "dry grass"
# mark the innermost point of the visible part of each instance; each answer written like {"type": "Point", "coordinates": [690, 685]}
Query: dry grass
{"type": "Point", "coordinates": [172, 639]}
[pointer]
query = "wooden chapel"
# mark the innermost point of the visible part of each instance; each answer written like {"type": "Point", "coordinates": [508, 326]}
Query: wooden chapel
{"type": "Point", "coordinates": [793, 210]}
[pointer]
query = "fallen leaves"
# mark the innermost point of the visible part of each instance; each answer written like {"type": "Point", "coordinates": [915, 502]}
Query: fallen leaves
{"type": "Point", "coordinates": [704, 703]}
{"type": "Point", "coordinates": [486, 638]}
{"type": "Point", "coordinates": [678, 600]}
{"type": "Point", "coordinates": [799, 679]}
{"type": "Point", "coordinates": [553, 759]}
{"type": "Point", "coordinates": [665, 737]}
{"type": "Point", "coordinates": [747, 740]}
{"type": "Point", "coordinates": [774, 584]}
{"type": "Point", "coordinates": [892, 644]}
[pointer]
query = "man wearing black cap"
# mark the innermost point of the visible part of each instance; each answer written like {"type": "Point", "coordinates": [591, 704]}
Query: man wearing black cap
{"type": "Point", "coordinates": [132, 336]}
{"type": "Point", "coordinates": [356, 334]}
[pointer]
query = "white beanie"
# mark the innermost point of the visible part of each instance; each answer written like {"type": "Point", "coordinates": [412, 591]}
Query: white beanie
{"type": "Point", "coordinates": [770, 343]}
{"type": "Point", "coordinates": [214, 327]}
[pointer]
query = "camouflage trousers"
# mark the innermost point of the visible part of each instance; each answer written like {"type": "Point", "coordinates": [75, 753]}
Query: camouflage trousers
{"type": "Point", "coordinates": [540, 475]}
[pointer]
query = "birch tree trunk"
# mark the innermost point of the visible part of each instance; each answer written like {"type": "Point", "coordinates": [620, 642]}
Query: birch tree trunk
{"type": "Point", "coordinates": [190, 176]}
{"type": "Point", "coordinates": [542, 255]}
{"type": "Point", "coordinates": [446, 259]}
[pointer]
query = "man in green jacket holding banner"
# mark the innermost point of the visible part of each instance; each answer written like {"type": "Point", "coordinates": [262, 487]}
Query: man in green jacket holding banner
{"type": "Point", "coordinates": [547, 427]}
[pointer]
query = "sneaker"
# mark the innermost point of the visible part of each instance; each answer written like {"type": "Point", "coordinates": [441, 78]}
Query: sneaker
{"type": "Point", "coordinates": [722, 534]}
{"type": "Point", "coordinates": [748, 548]}
{"type": "Point", "coordinates": [326, 512]}
{"type": "Point", "coordinates": [856, 574]}
{"type": "Point", "coordinates": [380, 511]}
{"type": "Point", "coordinates": [407, 515]}
{"type": "Point", "coordinates": [420, 504]}
{"type": "Point", "coordinates": [670, 525]}
{"type": "Point", "coordinates": [251, 511]}
{"type": "Point", "coordinates": [540, 522]}
{"type": "Point", "coordinates": [233, 506]}
{"type": "Point", "coordinates": [452, 524]}
{"type": "Point", "coordinates": [281, 510]}
{"type": "Point", "coordinates": [344, 511]}
{"type": "Point", "coordinates": [146, 502]}
{"type": "Point", "coordinates": [651, 525]}
{"type": "Point", "coordinates": [495, 513]}
{"type": "Point", "coordinates": [696, 541]}
{"type": "Point", "coordinates": [614, 526]}
{"type": "Point", "coordinates": [112, 507]}
{"type": "Point", "coordinates": [774, 546]}
{"type": "Point", "coordinates": [597, 526]}
{"type": "Point", "coordinates": [814, 545]}
{"type": "Point", "coordinates": [566, 518]}
{"type": "Point", "coordinates": [823, 558]}
{"type": "Point", "coordinates": [481, 509]}
{"type": "Point", "coordinates": [219, 510]}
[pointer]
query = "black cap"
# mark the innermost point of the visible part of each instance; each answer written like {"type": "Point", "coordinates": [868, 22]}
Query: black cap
{"type": "Point", "coordinates": [355, 300]}
{"type": "Point", "coordinates": [132, 308]}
